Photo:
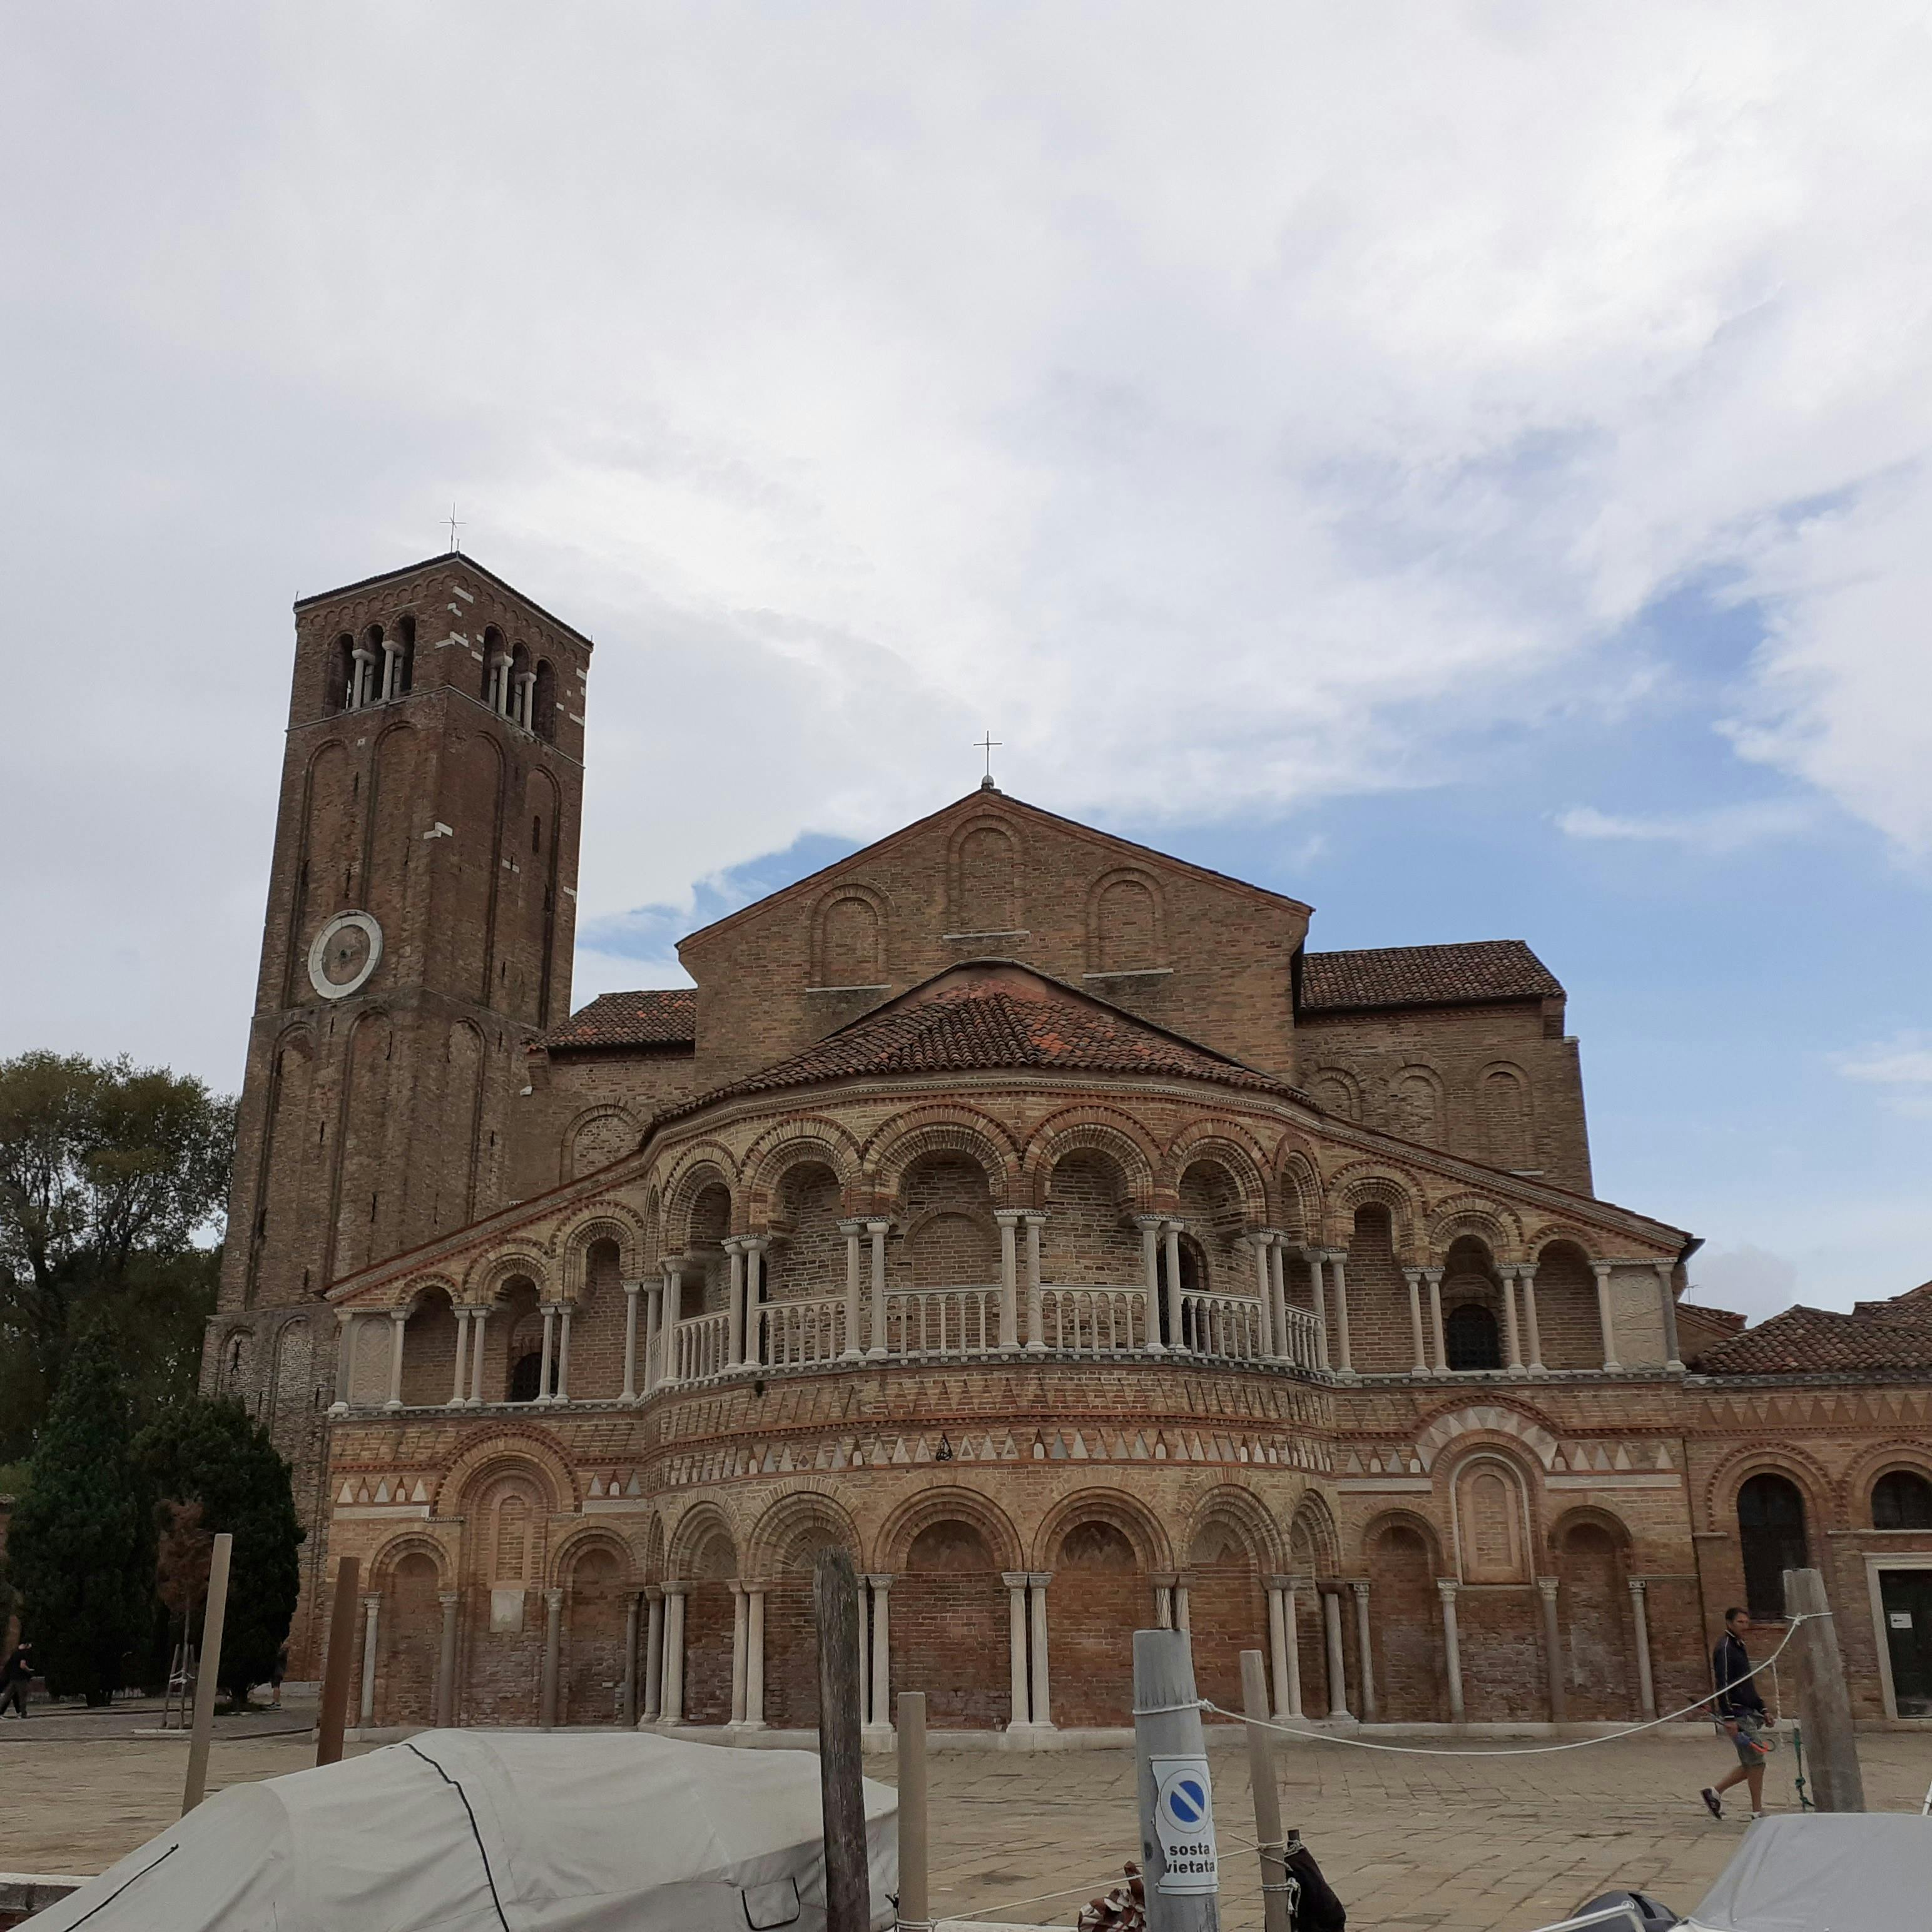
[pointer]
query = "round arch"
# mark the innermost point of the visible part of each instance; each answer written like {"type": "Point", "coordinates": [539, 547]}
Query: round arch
{"type": "Point", "coordinates": [1091, 1129]}
{"type": "Point", "coordinates": [789, 1519]}
{"type": "Point", "coordinates": [901, 1141]}
{"type": "Point", "coordinates": [1119, 1510]}
{"type": "Point", "coordinates": [954, 1502]}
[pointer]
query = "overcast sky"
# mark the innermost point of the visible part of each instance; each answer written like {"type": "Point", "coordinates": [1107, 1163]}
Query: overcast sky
{"type": "Point", "coordinates": [1465, 465]}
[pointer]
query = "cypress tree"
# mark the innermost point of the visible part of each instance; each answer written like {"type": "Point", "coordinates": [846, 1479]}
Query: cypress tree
{"type": "Point", "coordinates": [80, 1549]}
{"type": "Point", "coordinates": [211, 1453]}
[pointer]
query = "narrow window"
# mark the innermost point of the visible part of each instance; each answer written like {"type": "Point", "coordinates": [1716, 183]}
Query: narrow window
{"type": "Point", "coordinates": [406, 635]}
{"type": "Point", "coordinates": [1469, 1337]}
{"type": "Point", "coordinates": [1770, 1533]}
{"type": "Point", "coordinates": [342, 675]}
{"type": "Point", "coordinates": [536, 834]}
{"type": "Point", "coordinates": [492, 667]}
{"type": "Point", "coordinates": [1902, 1499]}
{"type": "Point", "coordinates": [543, 717]}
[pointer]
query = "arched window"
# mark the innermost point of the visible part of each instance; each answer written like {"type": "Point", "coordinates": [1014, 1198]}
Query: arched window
{"type": "Point", "coordinates": [1469, 1337]}
{"type": "Point", "coordinates": [526, 1377]}
{"type": "Point", "coordinates": [1771, 1531]}
{"type": "Point", "coordinates": [406, 663]}
{"type": "Point", "coordinates": [496, 662]}
{"type": "Point", "coordinates": [1901, 1499]}
{"type": "Point", "coordinates": [342, 674]}
{"type": "Point", "coordinates": [517, 694]}
{"type": "Point", "coordinates": [543, 714]}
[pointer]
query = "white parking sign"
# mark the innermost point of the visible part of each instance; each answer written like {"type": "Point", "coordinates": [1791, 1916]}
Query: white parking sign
{"type": "Point", "coordinates": [1183, 1817]}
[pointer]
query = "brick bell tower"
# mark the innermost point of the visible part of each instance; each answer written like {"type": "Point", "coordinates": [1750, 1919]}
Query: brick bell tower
{"type": "Point", "coordinates": [421, 918]}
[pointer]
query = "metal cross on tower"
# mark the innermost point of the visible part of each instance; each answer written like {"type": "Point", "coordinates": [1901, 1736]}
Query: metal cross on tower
{"type": "Point", "coordinates": [455, 544]}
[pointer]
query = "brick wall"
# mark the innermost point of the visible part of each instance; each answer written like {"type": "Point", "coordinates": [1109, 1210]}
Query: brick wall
{"type": "Point", "coordinates": [1406, 1624]}
{"type": "Point", "coordinates": [1098, 1596]}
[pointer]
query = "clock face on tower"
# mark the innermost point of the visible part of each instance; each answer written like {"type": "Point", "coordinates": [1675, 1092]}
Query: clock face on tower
{"type": "Point", "coordinates": [345, 951]}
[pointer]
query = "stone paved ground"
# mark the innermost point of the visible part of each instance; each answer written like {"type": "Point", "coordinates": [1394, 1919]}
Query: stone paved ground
{"type": "Point", "coordinates": [1411, 1843]}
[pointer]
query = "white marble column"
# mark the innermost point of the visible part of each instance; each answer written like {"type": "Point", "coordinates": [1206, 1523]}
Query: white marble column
{"type": "Point", "coordinates": [1284, 1700]}
{"type": "Point", "coordinates": [1646, 1680]}
{"type": "Point", "coordinates": [1290, 1621]}
{"type": "Point", "coordinates": [392, 669]}
{"type": "Point", "coordinates": [565, 1309]}
{"type": "Point", "coordinates": [1317, 1260]}
{"type": "Point", "coordinates": [1526, 1274]}
{"type": "Point", "coordinates": [628, 1691]}
{"type": "Point", "coordinates": [1667, 1298]}
{"type": "Point", "coordinates": [1171, 1235]}
{"type": "Point", "coordinates": [1184, 1616]}
{"type": "Point", "coordinates": [673, 1688]}
{"type": "Point", "coordinates": [739, 1648]}
{"type": "Point", "coordinates": [755, 1247]}
{"type": "Point", "coordinates": [462, 1357]}
{"type": "Point", "coordinates": [1601, 1270]}
{"type": "Point", "coordinates": [549, 1347]}
{"type": "Point", "coordinates": [654, 1630]}
{"type": "Point", "coordinates": [671, 1314]}
{"type": "Point", "coordinates": [1163, 1602]}
{"type": "Point", "coordinates": [372, 1608]}
{"type": "Point", "coordinates": [854, 1301]}
{"type": "Point", "coordinates": [1008, 1219]}
{"type": "Point", "coordinates": [1365, 1644]}
{"type": "Point", "coordinates": [1260, 1243]}
{"type": "Point", "coordinates": [1433, 1276]}
{"type": "Point", "coordinates": [1452, 1646]}
{"type": "Point", "coordinates": [345, 1360]}
{"type": "Point", "coordinates": [878, 1230]}
{"type": "Point", "coordinates": [1414, 1278]}
{"type": "Point", "coordinates": [399, 1319]}
{"type": "Point", "coordinates": [1338, 1675]}
{"type": "Point", "coordinates": [1278, 1295]}
{"type": "Point", "coordinates": [754, 1657]}
{"type": "Point", "coordinates": [1036, 1306]}
{"type": "Point", "coordinates": [449, 1602]}
{"type": "Point", "coordinates": [1338, 1260]}
{"type": "Point", "coordinates": [1552, 1640]}
{"type": "Point", "coordinates": [1512, 1340]}
{"type": "Point", "coordinates": [734, 1304]}
{"type": "Point", "coordinates": [882, 1651]}
{"type": "Point", "coordinates": [1150, 1227]}
{"type": "Point", "coordinates": [1022, 1702]}
{"type": "Point", "coordinates": [865, 1652]}
{"type": "Point", "coordinates": [631, 1289]}
{"type": "Point", "coordinates": [1042, 1695]}
{"type": "Point", "coordinates": [478, 1316]}
{"type": "Point", "coordinates": [547, 1713]}
{"type": "Point", "coordinates": [362, 679]}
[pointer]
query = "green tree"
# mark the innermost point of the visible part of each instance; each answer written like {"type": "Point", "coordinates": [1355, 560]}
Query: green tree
{"type": "Point", "coordinates": [107, 1172]}
{"type": "Point", "coordinates": [80, 1549]}
{"type": "Point", "coordinates": [211, 1453]}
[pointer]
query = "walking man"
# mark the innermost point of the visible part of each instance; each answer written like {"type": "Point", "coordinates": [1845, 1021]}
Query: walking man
{"type": "Point", "coordinates": [1740, 1710]}
{"type": "Point", "coordinates": [15, 1674]}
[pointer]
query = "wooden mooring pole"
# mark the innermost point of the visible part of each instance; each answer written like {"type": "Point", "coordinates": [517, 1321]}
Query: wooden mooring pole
{"type": "Point", "coordinates": [207, 1678]}
{"type": "Point", "coordinates": [1276, 1916]}
{"type": "Point", "coordinates": [915, 1913]}
{"type": "Point", "coordinates": [1824, 1704]}
{"type": "Point", "coordinates": [835, 1598]}
{"type": "Point", "coordinates": [335, 1712]}
{"type": "Point", "coordinates": [1180, 1866]}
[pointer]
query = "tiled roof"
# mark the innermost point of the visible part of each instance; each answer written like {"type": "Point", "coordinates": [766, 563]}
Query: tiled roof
{"type": "Point", "coordinates": [666, 1019]}
{"type": "Point", "coordinates": [979, 1017]}
{"type": "Point", "coordinates": [1814, 1341]}
{"type": "Point", "coordinates": [1425, 975]}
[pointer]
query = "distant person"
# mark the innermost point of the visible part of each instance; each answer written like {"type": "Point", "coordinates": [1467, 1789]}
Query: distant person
{"type": "Point", "coordinates": [15, 1675]}
{"type": "Point", "coordinates": [1739, 1708]}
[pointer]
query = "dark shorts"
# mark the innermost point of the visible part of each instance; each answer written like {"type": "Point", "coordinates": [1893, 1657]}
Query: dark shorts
{"type": "Point", "coordinates": [1752, 1746]}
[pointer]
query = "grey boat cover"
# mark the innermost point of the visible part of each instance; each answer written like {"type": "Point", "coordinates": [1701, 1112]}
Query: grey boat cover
{"type": "Point", "coordinates": [1839, 1871]}
{"type": "Point", "coordinates": [475, 1831]}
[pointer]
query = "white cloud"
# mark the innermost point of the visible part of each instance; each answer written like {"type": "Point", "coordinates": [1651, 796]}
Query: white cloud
{"type": "Point", "coordinates": [1231, 409]}
{"type": "Point", "coordinates": [1902, 1067]}
{"type": "Point", "coordinates": [1714, 833]}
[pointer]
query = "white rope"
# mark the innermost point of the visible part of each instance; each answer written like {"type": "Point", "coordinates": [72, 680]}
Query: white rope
{"type": "Point", "coordinates": [1040, 1898]}
{"type": "Point", "coordinates": [1516, 1751]}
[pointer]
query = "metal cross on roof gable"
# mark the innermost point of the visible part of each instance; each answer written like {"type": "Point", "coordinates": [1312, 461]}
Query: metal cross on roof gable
{"type": "Point", "coordinates": [989, 744]}
{"type": "Point", "coordinates": [455, 545]}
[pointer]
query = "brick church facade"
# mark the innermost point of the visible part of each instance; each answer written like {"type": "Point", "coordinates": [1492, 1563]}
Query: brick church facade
{"type": "Point", "coordinates": [1032, 1213]}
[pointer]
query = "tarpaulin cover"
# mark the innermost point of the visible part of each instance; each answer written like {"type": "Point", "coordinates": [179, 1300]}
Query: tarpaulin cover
{"type": "Point", "coordinates": [475, 1831]}
{"type": "Point", "coordinates": [1837, 1871]}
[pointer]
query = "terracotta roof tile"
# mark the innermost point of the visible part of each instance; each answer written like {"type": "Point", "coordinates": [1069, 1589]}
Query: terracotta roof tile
{"type": "Point", "coordinates": [1886, 1335]}
{"type": "Point", "coordinates": [1425, 975]}
{"type": "Point", "coordinates": [979, 1019]}
{"type": "Point", "coordinates": [665, 1019]}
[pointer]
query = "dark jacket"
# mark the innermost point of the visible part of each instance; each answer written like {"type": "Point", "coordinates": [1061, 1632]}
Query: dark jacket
{"type": "Point", "coordinates": [1316, 1909]}
{"type": "Point", "coordinates": [19, 1665]}
{"type": "Point", "coordinates": [1730, 1671]}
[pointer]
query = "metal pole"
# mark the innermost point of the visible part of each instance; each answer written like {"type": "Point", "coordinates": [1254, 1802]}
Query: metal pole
{"type": "Point", "coordinates": [913, 1909]}
{"type": "Point", "coordinates": [1178, 1861]}
{"type": "Point", "coordinates": [335, 1713]}
{"type": "Point", "coordinates": [211, 1669]}
{"type": "Point", "coordinates": [1275, 1914]}
{"type": "Point", "coordinates": [1837, 1784]}
{"type": "Point", "coordinates": [835, 1600]}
